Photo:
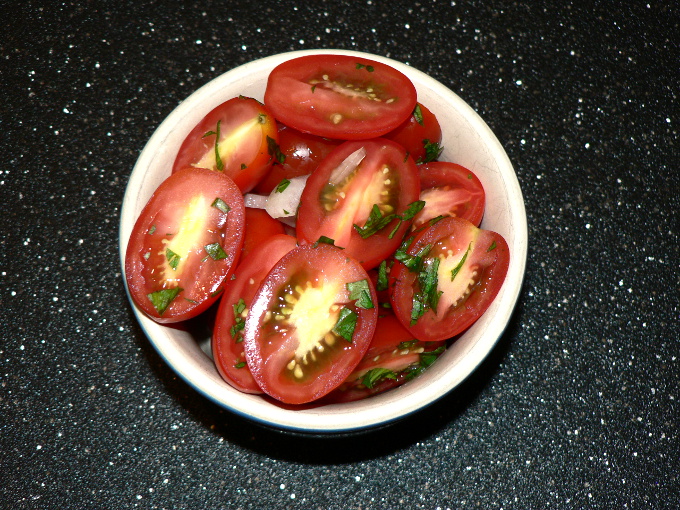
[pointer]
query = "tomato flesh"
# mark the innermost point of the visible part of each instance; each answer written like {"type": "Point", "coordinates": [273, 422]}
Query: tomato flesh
{"type": "Point", "coordinates": [340, 207]}
{"type": "Point", "coordinates": [258, 227]}
{"type": "Point", "coordinates": [447, 278]}
{"type": "Point", "coordinates": [305, 331]}
{"type": "Point", "coordinates": [227, 340]}
{"type": "Point", "coordinates": [184, 244]}
{"type": "Point", "coordinates": [339, 96]}
{"type": "Point", "coordinates": [247, 131]}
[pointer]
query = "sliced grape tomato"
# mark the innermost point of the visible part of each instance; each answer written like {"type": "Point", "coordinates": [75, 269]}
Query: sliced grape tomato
{"type": "Point", "coordinates": [339, 96]}
{"type": "Point", "coordinates": [227, 339]}
{"type": "Point", "coordinates": [184, 244]}
{"type": "Point", "coordinates": [361, 196]}
{"type": "Point", "coordinates": [309, 323]}
{"type": "Point", "coordinates": [449, 189]}
{"type": "Point", "coordinates": [446, 278]}
{"type": "Point", "coordinates": [239, 137]}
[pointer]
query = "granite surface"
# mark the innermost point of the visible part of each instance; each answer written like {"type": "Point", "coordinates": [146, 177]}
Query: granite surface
{"type": "Point", "coordinates": [577, 407]}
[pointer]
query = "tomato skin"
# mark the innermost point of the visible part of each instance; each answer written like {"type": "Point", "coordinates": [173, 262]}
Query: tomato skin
{"type": "Point", "coordinates": [227, 344]}
{"type": "Point", "coordinates": [259, 227]}
{"type": "Point", "coordinates": [454, 191]}
{"type": "Point", "coordinates": [282, 347]}
{"type": "Point", "coordinates": [245, 125]}
{"type": "Point", "coordinates": [303, 153]}
{"type": "Point", "coordinates": [486, 259]}
{"type": "Point", "coordinates": [165, 224]}
{"type": "Point", "coordinates": [358, 197]}
{"type": "Point", "coordinates": [420, 132]}
{"type": "Point", "coordinates": [312, 94]}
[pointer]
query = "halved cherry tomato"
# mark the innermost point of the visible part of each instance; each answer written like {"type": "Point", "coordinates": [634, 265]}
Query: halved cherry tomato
{"type": "Point", "coordinates": [237, 137]}
{"type": "Point", "coordinates": [447, 277]}
{"type": "Point", "coordinates": [185, 243]}
{"type": "Point", "coordinates": [393, 358]}
{"type": "Point", "coordinates": [449, 189]}
{"type": "Point", "coordinates": [359, 196]}
{"type": "Point", "coordinates": [227, 339]}
{"type": "Point", "coordinates": [301, 154]}
{"type": "Point", "coordinates": [339, 96]}
{"type": "Point", "coordinates": [420, 135]}
{"type": "Point", "coordinates": [309, 324]}
{"type": "Point", "coordinates": [259, 227]}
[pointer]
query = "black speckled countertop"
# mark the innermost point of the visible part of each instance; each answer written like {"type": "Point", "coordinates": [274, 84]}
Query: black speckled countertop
{"type": "Point", "coordinates": [577, 406]}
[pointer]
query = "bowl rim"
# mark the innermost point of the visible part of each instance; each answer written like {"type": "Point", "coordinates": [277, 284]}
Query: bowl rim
{"type": "Point", "coordinates": [385, 408]}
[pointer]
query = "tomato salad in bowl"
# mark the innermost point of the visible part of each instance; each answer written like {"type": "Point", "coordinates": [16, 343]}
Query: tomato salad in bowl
{"type": "Point", "coordinates": [321, 212]}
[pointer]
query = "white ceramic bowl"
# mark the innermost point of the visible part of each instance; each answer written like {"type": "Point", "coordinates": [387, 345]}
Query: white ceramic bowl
{"type": "Point", "coordinates": [467, 140]}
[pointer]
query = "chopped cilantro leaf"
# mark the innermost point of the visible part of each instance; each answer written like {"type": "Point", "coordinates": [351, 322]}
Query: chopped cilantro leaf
{"type": "Point", "coordinates": [346, 323]}
{"type": "Point", "coordinates": [418, 115]}
{"type": "Point", "coordinates": [382, 283]}
{"type": "Point", "coordinates": [492, 247]}
{"type": "Point", "coordinates": [221, 205]}
{"type": "Point", "coordinates": [215, 251]}
{"type": "Point", "coordinates": [282, 186]}
{"type": "Point", "coordinates": [161, 299]}
{"type": "Point", "coordinates": [275, 150]}
{"type": "Point", "coordinates": [375, 375]}
{"type": "Point", "coordinates": [432, 152]}
{"type": "Point", "coordinates": [240, 364]}
{"type": "Point", "coordinates": [173, 258]}
{"type": "Point", "coordinates": [459, 266]}
{"type": "Point", "coordinates": [360, 292]}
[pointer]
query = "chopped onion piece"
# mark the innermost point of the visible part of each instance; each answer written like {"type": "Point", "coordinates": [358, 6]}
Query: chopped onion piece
{"type": "Point", "coordinates": [255, 201]}
{"type": "Point", "coordinates": [347, 166]}
{"type": "Point", "coordinates": [284, 203]}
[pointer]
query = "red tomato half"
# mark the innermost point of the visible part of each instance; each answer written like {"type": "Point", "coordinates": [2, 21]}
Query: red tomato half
{"type": "Point", "coordinates": [301, 153]}
{"type": "Point", "coordinates": [449, 189]}
{"type": "Point", "coordinates": [420, 135]}
{"type": "Point", "coordinates": [184, 244]}
{"type": "Point", "coordinates": [393, 358]}
{"type": "Point", "coordinates": [259, 227]}
{"type": "Point", "coordinates": [309, 324]}
{"type": "Point", "coordinates": [447, 277]}
{"type": "Point", "coordinates": [237, 138]}
{"type": "Point", "coordinates": [348, 202]}
{"type": "Point", "coordinates": [339, 96]}
{"type": "Point", "coordinates": [227, 339]}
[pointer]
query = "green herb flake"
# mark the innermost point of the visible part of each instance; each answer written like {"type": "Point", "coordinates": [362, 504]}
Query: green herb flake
{"type": "Point", "coordinates": [492, 247]}
{"type": "Point", "coordinates": [346, 323]}
{"type": "Point", "coordinates": [221, 205]}
{"type": "Point", "coordinates": [173, 258]}
{"type": "Point", "coordinates": [275, 150]}
{"type": "Point", "coordinates": [313, 88]}
{"type": "Point", "coordinates": [407, 345]}
{"type": "Point", "coordinates": [218, 159]}
{"type": "Point", "coordinates": [282, 186]}
{"type": "Point", "coordinates": [459, 266]}
{"type": "Point", "coordinates": [238, 308]}
{"type": "Point", "coordinates": [432, 151]}
{"type": "Point", "coordinates": [428, 297]}
{"type": "Point", "coordinates": [324, 240]}
{"type": "Point", "coordinates": [382, 282]}
{"type": "Point", "coordinates": [152, 230]}
{"type": "Point", "coordinates": [161, 299]}
{"type": "Point", "coordinates": [413, 263]}
{"type": "Point", "coordinates": [376, 221]}
{"type": "Point", "coordinates": [215, 251]}
{"type": "Point", "coordinates": [375, 375]}
{"type": "Point", "coordinates": [240, 364]}
{"type": "Point", "coordinates": [418, 115]}
{"type": "Point", "coordinates": [361, 293]}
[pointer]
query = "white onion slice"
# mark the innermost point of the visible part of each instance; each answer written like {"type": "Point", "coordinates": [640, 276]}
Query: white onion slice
{"type": "Point", "coordinates": [284, 204]}
{"type": "Point", "coordinates": [347, 166]}
{"type": "Point", "coordinates": [255, 201]}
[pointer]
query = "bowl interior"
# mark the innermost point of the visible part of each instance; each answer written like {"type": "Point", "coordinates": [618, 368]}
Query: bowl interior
{"type": "Point", "coordinates": [467, 140]}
